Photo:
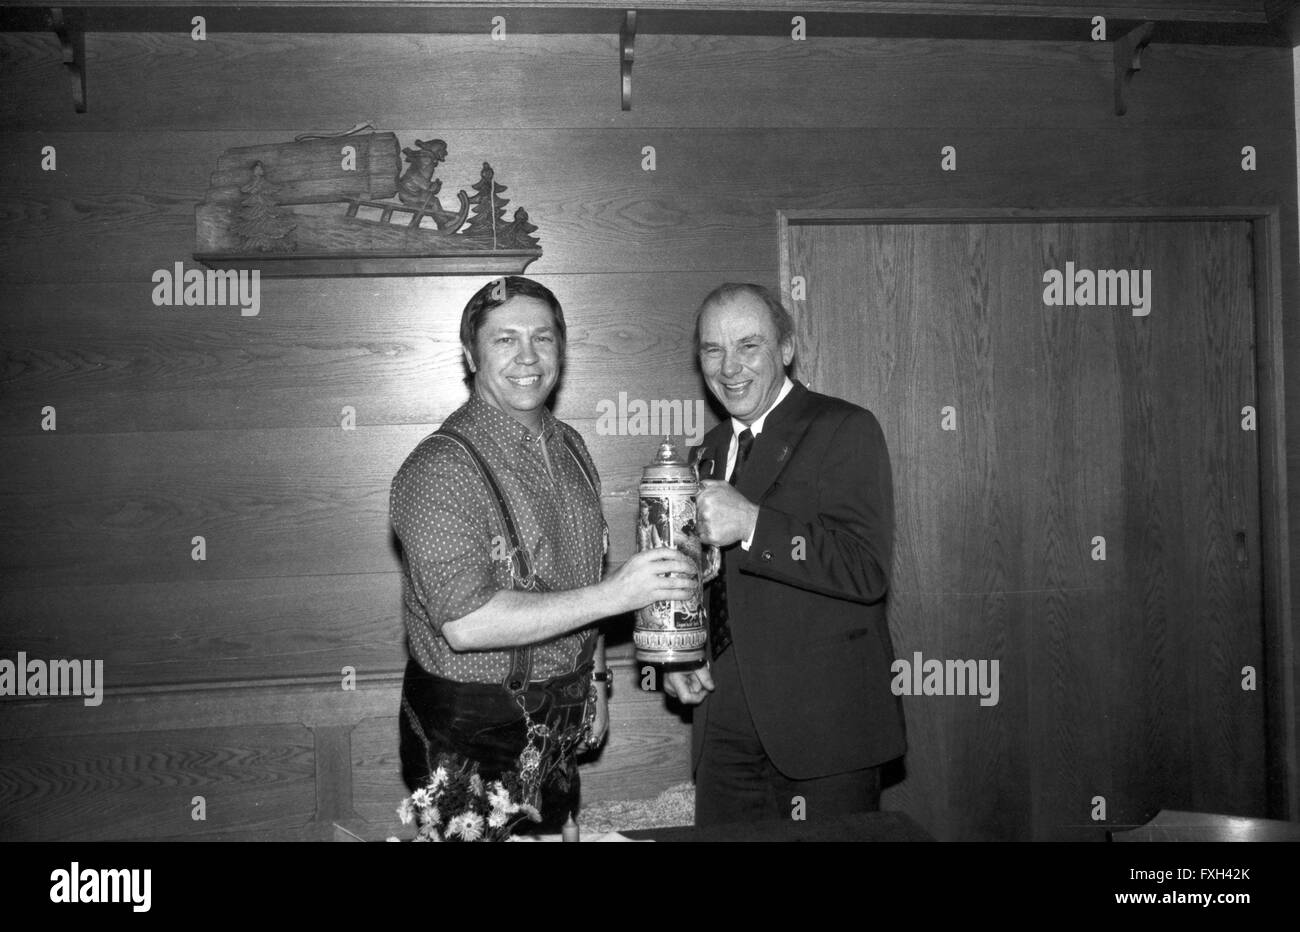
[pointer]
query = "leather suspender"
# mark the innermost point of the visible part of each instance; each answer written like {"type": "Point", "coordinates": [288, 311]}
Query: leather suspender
{"type": "Point", "coordinates": [523, 574]}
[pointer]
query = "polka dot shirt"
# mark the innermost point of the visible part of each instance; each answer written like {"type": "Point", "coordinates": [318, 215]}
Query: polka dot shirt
{"type": "Point", "coordinates": [446, 520]}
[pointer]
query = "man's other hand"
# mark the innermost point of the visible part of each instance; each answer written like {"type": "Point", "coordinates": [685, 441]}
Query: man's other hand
{"type": "Point", "coordinates": [689, 686]}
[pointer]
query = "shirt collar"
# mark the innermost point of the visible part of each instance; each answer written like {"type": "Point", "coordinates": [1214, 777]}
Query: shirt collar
{"type": "Point", "coordinates": [757, 427]}
{"type": "Point", "coordinates": [505, 428]}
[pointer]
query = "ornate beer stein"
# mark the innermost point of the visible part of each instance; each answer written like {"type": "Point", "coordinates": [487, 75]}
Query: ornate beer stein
{"type": "Point", "coordinates": [673, 634]}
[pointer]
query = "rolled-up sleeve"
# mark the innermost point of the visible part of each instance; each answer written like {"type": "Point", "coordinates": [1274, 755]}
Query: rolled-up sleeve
{"type": "Point", "coordinates": [443, 517]}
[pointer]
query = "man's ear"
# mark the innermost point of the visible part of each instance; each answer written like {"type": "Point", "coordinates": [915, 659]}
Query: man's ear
{"type": "Point", "coordinates": [469, 358]}
{"type": "Point", "coordinates": [787, 351]}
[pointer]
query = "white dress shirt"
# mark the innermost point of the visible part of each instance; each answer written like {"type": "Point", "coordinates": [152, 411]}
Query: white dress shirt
{"type": "Point", "coordinates": [737, 427]}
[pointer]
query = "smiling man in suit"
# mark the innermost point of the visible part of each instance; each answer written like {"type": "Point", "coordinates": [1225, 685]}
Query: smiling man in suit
{"type": "Point", "coordinates": [794, 713]}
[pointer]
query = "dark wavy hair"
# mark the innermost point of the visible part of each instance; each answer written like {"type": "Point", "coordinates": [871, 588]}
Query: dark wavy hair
{"type": "Point", "coordinates": [496, 293]}
{"type": "Point", "coordinates": [781, 318]}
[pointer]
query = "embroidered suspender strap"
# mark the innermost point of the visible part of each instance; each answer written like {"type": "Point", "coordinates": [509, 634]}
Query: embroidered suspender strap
{"type": "Point", "coordinates": [590, 649]}
{"type": "Point", "coordinates": [582, 464]}
{"type": "Point", "coordinates": [521, 570]}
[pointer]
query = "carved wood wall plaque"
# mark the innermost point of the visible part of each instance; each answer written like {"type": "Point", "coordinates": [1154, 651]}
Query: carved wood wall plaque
{"type": "Point", "coordinates": [356, 203]}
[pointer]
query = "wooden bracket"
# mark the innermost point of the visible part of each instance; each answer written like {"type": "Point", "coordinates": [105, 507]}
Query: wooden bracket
{"type": "Point", "coordinates": [1128, 61]}
{"type": "Point", "coordinates": [73, 40]}
{"type": "Point", "coordinates": [627, 46]}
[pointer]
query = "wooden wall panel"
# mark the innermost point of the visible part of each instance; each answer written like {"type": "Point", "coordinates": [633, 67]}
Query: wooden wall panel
{"type": "Point", "coordinates": [377, 773]}
{"type": "Point", "coordinates": [289, 502]}
{"type": "Point", "coordinates": [177, 421]}
{"type": "Point", "coordinates": [542, 82]}
{"type": "Point", "coordinates": [390, 348]}
{"type": "Point", "coordinates": [112, 787]}
{"type": "Point", "coordinates": [227, 630]}
{"type": "Point", "coordinates": [196, 631]}
{"type": "Point", "coordinates": [710, 204]}
{"type": "Point", "coordinates": [973, 788]}
{"type": "Point", "coordinates": [1070, 424]}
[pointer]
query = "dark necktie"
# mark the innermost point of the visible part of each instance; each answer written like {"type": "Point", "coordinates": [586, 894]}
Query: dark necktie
{"type": "Point", "coordinates": [719, 630]}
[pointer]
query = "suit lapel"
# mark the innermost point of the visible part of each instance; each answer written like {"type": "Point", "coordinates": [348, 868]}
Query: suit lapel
{"type": "Point", "coordinates": [773, 448]}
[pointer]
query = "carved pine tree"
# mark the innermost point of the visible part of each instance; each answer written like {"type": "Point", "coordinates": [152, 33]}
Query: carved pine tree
{"type": "Point", "coordinates": [487, 223]}
{"type": "Point", "coordinates": [259, 222]}
{"type": "Point", "coordinates": [518, 230]}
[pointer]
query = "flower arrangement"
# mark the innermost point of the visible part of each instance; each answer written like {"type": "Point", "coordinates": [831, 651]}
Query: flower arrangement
{"type": "Point", "coordinates": [459, 805]}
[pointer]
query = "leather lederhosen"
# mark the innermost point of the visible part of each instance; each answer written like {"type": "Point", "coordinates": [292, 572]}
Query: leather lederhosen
{"type": "Point", "coordinates": [484, 722]}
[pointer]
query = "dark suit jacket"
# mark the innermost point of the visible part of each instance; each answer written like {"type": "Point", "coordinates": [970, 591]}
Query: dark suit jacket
{"type": "Point", "coordinates": [809, 635]}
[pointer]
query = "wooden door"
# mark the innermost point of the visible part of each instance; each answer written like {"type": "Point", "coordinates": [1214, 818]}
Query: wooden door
{"type": "Point", "coordinates": [1077, 499]}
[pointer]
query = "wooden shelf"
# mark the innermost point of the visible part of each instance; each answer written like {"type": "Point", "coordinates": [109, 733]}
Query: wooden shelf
{"type": "Point", "coordinates": [270, 266]}
{"type": "Point", "coordinates": [1209, 21]}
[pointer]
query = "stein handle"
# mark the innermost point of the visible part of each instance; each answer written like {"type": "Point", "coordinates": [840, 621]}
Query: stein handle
{"type": "Point", "coordinates": [712, 555]}
{"type": "Point", "coordinates": [712, 564]}
{"type": "Point", "coordinates": [700, 456]}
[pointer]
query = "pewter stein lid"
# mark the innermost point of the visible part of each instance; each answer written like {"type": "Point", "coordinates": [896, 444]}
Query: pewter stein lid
{"type": "Point", "coordinates": [668, 465]}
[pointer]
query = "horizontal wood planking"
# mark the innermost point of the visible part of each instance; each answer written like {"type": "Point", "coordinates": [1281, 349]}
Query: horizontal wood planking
{"type": "Point", "coordinates": [131, 767]}
{"type": "Point", "coordinates": [291, 502]}
{"type": "Point", "coordinates": [286, 502]}
{"type": "Point", "coordinates": [193, 632]}
{"type": "Point", "coordinates": [323, 83]}
{"type": "Point", "coordinates": [312, 701]}
{"type": "Point", "coordinates": [710, 204]}
{"type": "Point", "coordinates": [109, 361]}
{"type": "Point", "coordinates": [227, 630]}
{"type": "Point", "coordinates": [106, 786]}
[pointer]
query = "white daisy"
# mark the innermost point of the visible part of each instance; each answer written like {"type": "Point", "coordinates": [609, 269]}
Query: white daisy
{"type": "Point", "coordinates": [457, 824]}
{"type": "Point", "coordinates": [472, 828]}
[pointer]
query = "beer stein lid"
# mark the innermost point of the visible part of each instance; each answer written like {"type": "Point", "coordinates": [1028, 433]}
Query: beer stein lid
{"type": "Point", "coordinates": [668, 464]}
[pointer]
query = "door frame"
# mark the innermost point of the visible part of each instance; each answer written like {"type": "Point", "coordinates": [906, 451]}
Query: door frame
{"type": "Point", "coordinates": [1281, 679]}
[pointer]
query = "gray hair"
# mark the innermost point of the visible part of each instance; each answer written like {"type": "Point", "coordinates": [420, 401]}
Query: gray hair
{"type": "Point", "coordinates": [780, 317]}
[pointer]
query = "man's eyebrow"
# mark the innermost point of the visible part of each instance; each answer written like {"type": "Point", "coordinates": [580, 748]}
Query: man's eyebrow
{"type": "Point", "coordinates": [749, 336]}
{"type": "Point", "coordinates": [505, 328]}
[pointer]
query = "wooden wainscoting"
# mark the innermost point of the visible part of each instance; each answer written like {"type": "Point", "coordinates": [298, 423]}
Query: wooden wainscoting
{"type": "Point", "coordinates": [279, 761]}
